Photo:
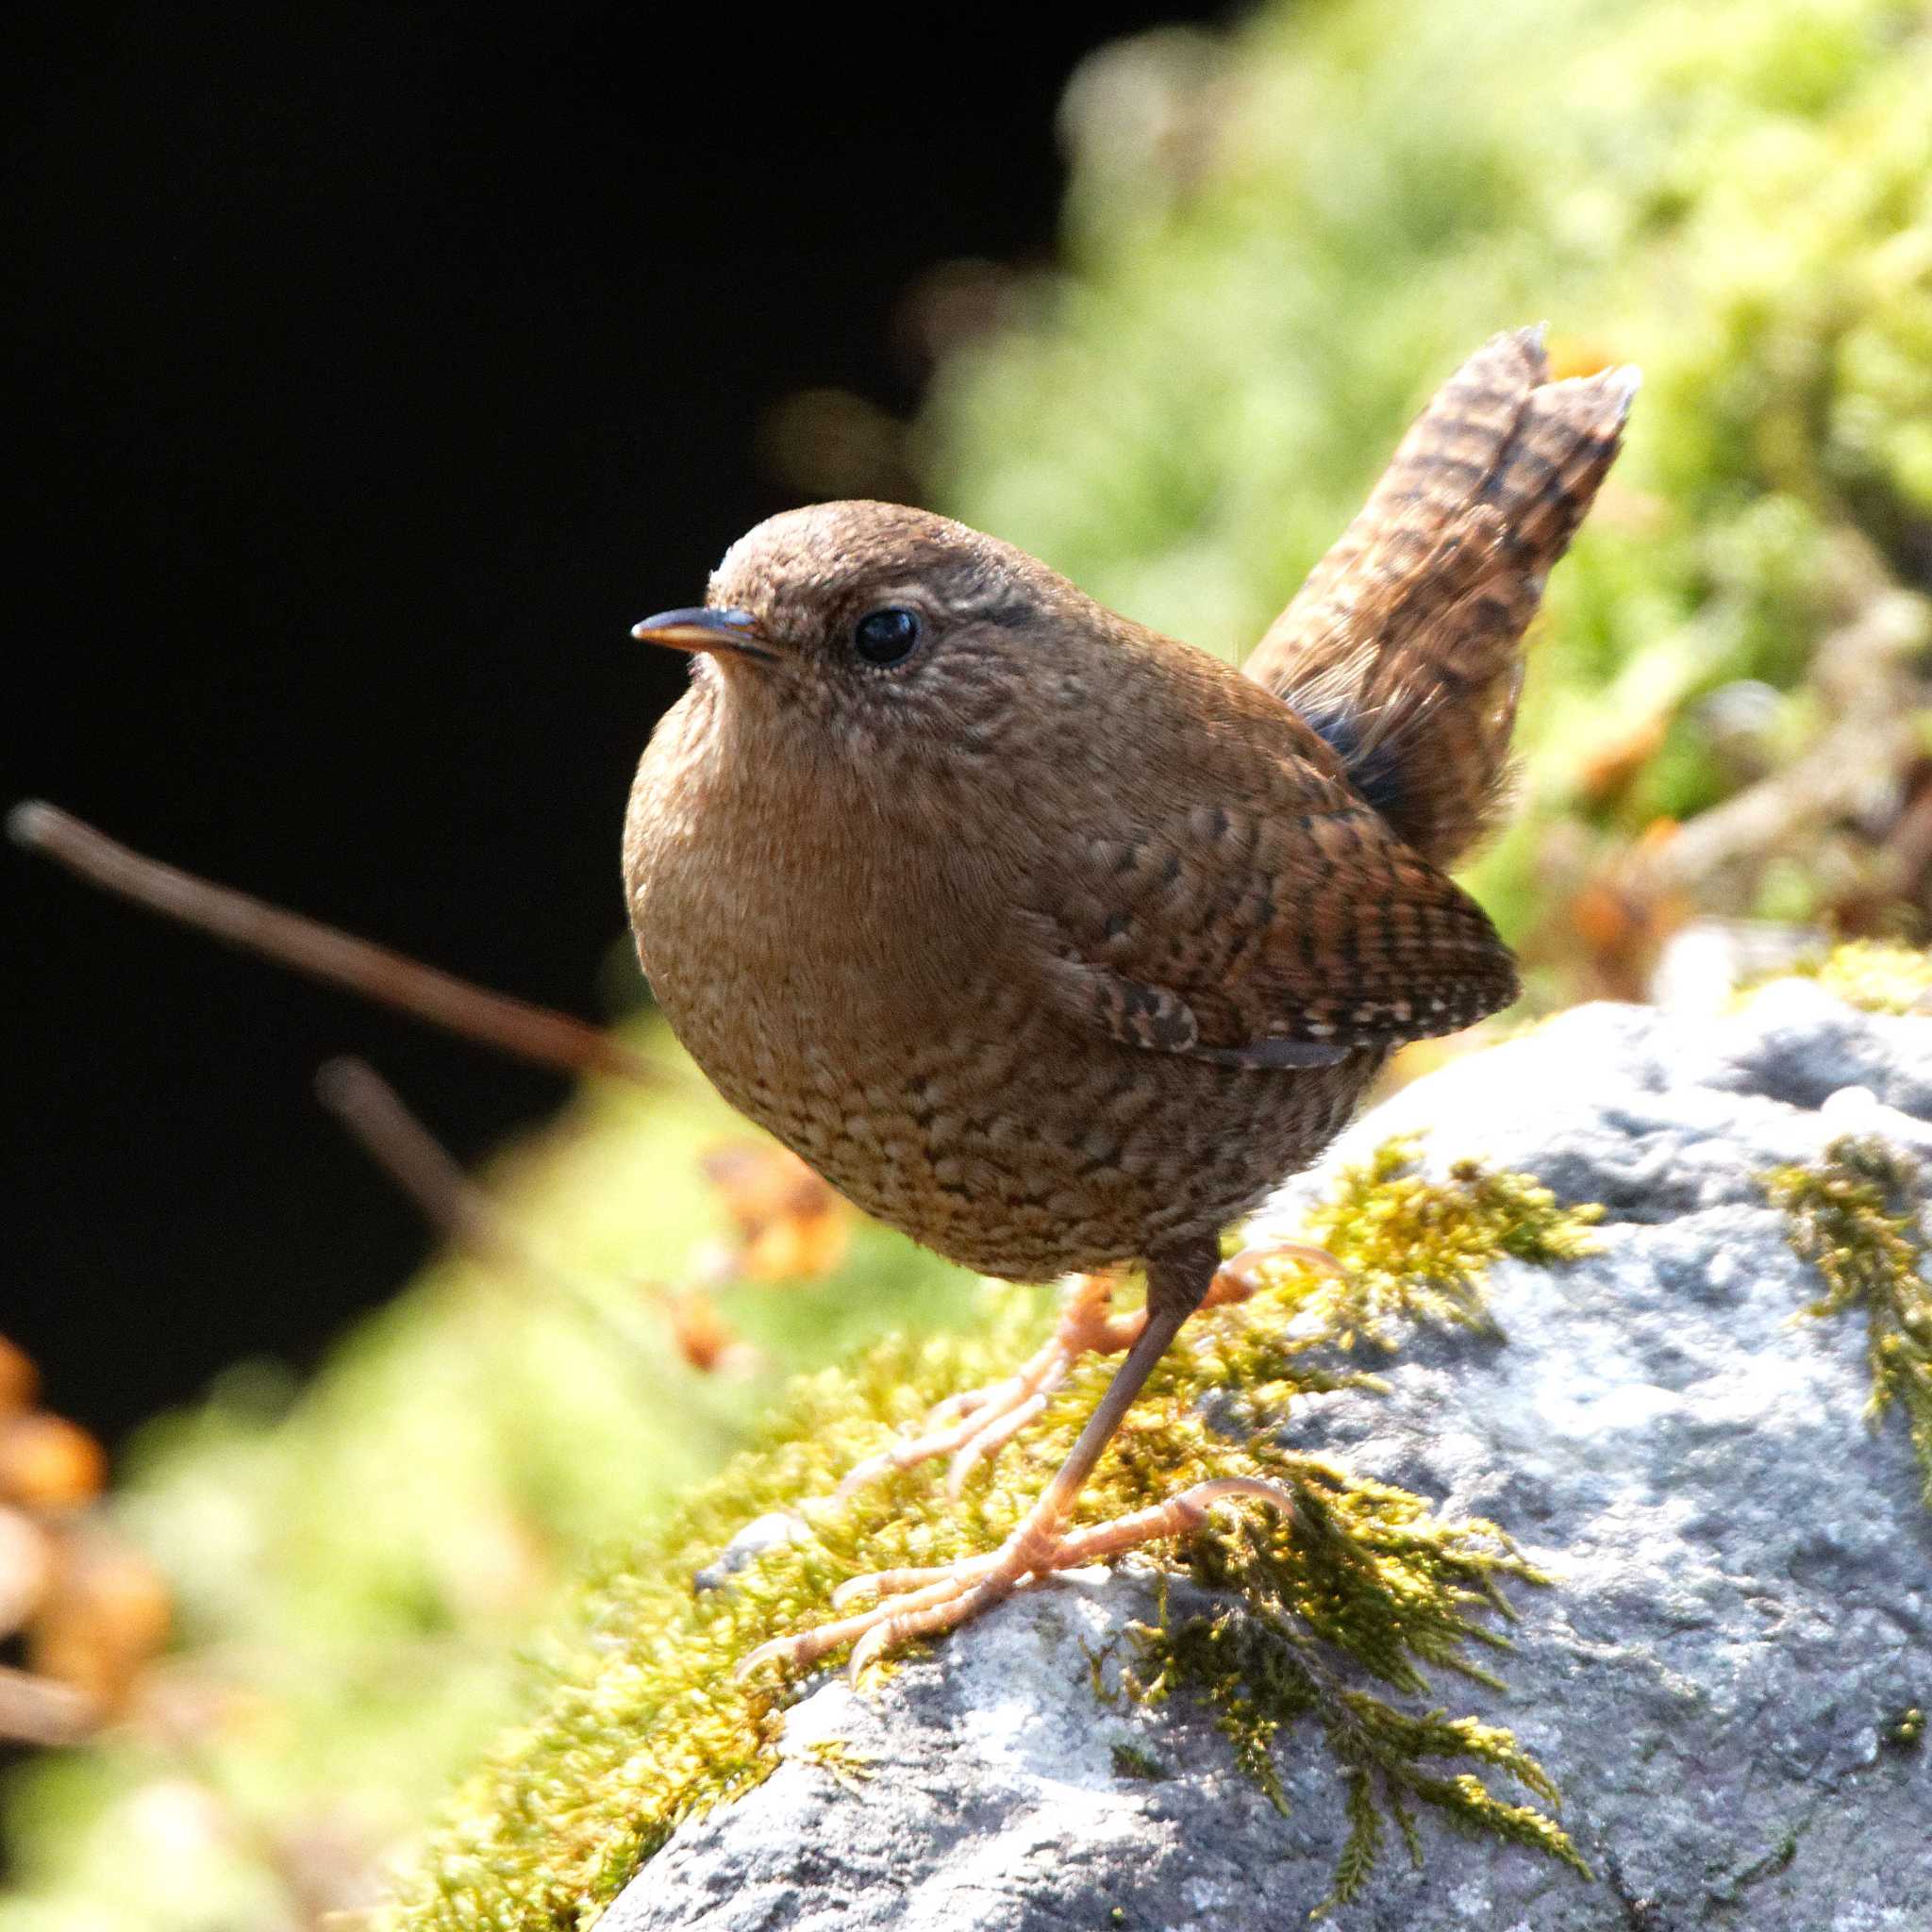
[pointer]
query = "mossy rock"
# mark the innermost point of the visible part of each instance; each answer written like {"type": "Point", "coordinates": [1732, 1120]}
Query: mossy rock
{"type": "Point", "coordinates": [1709, 1556]}
{"type": "Point", "coordinates": [648, 1724]}
{"type": "Point", "coordinates": [1276, 240]}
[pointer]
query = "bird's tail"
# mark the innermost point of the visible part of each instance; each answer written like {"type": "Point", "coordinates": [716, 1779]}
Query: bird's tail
{"type": "Point", "coordinates": [1402, 648]}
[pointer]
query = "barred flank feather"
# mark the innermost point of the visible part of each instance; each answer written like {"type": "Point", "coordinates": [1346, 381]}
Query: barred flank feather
{"type": "Point", "coordinates": [1402, 648]}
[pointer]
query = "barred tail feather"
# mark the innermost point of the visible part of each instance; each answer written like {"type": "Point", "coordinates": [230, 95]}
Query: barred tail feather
{"type": "Point", "coordinates": [1402, 648]}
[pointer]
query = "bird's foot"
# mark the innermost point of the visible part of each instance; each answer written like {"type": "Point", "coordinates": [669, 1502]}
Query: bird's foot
{"type": "Point", "coordinates": [978, 1423]}
{"type": "Point", "coordinates": [1239, 1275]}
{"type": "Point", "coordinates": [914, 1604]}
{"type": "Point", "coordinates": [975, 1426]}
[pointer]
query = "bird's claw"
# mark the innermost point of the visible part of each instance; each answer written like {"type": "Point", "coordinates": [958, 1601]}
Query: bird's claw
{"type": "Point", "coordinates": [972, 1426]}
{"type": "Point", "coordinates": [975, 1425]}
{"type": "Point", "coordinates": [914, 1604]}
{"type": "Point", "coordinates": [1241, 1274]}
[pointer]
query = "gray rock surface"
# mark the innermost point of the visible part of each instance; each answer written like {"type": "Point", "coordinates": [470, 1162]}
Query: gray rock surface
{"type": "Point", "coordinates": [1743, 1600]}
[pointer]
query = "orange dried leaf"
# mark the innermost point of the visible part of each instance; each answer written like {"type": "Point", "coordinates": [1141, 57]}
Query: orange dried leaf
{"type": "Point", "coordinates": [19, 1381]}
{"type": "Point", "coordinates": [791, 1225]}
{"type": "Point", "coordinates": [1617, 758]}
{"type": "Point", "coordinates": [47, 1462]}
{"type": "Point", "coordinates": [803, 1249]}
{"type": "Point", "coordinates": [104, 1619]}
{"type": "Point", "coordinates": [705, 1338]}
{"type": "Point", "coordinates": [27, 1567]}
{"type": "Point", "coordinates": [1602, 917]}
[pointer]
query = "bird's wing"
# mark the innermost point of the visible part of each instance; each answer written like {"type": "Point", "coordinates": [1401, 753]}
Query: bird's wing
{"type": "Point", "coordinates": [1277, 933]}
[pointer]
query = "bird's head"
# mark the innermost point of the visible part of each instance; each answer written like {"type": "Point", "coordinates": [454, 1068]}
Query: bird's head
{"type": "Point", "coordinates": [883, 622]}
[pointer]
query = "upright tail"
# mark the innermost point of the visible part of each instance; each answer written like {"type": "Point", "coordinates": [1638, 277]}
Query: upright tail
{"type": "Point", "coordinates": [1401, 648]}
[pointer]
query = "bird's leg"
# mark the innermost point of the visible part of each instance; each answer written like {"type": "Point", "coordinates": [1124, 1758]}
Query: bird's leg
{"type": "Point", "coordinates": [923, 1603]}
{"type": "Point", "coordinates": [977, 1421]}
{"type": "Point", "coordinates": [977, 1424]}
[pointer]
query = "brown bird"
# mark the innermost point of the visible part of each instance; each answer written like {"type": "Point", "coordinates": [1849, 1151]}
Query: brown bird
{"type": "Point", "coordinates": [1057, 943]}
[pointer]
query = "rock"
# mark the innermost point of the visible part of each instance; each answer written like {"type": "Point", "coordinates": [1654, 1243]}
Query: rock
{"type": "Point", "coordinates": [771, 1531]}
{"type": "Point", "coordinates": [1740, 1618]}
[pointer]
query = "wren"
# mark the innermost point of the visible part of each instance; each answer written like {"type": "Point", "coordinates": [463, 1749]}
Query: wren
{"type": "Point", "coordinates": [1057, 943]}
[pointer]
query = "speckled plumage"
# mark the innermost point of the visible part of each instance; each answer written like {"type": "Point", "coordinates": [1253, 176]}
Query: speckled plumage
{"type": "Point", "coordinates": [1061, 942]}
{"type": "Point", "coordinates": [1401, 646]}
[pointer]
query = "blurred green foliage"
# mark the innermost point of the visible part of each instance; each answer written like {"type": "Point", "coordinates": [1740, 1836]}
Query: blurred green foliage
{"type": "Point", "coordinates": [1277, 241]}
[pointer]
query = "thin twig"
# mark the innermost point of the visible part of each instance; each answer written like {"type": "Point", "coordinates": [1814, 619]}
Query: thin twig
{"type": "Point", "coordinates": [406, 1149]}
{"type": "Point", "coordinates": [514, 1026]}
{"type": "Point", "coordinates": [41, 1710]}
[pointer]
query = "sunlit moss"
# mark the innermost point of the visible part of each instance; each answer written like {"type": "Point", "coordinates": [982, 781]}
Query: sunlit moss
{"type": "Point", "coordinates": [644, 1723]}
{"type": "Point", "coordinates": [1878, 976]}
{"type": "Point", "coordinates": [1413, 1250]}
{"type": "Point", "coordinates": [1362, 1572]}
{"type": "Point", "coordinates": [1853, 1214]}
{"type": "Point", "coordinates": [1260, 1672]}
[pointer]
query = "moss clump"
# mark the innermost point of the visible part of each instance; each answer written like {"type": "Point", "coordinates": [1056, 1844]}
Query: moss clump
{"type": "Point", "coordinates": [1414, 1250]}
{"type": "Point", "coordinates": [1853, 1215]}
{"type": "Point", "coordinates": [643, 1722]}
{"type": "Point", "coordinates": [1366, 1573]}
{"type": "Point", "coordinates": [1129, 1760]}
{"type": "Point", "coordinates": [1261, 1671]}
{"type": "Point", "coordinates": [1876, 975]}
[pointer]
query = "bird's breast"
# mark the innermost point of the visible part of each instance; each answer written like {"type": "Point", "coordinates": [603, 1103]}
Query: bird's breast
{"type": "Point", "coordinates": [805, 941]}
{"type": "Point", "coordinates": [856, 980]}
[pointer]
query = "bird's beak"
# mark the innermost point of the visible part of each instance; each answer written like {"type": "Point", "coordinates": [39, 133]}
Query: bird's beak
{"type": "Point", "coordinates": [703, 628]}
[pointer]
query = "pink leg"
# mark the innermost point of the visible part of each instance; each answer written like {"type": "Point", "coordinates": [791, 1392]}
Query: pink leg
{"type": "Point", "coordinates": [975, 1426]}
{"type": "Point", "coordinates": [923, 1603]}
{"type": "Point", "coordinates": [958, 1423]}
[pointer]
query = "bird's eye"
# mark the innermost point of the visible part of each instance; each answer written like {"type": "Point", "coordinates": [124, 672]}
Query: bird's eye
{"type": "Point", "coordinates": [884, 637]}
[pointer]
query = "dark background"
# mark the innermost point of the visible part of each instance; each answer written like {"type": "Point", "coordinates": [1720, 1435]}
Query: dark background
{"type": "Point", "coordinates": [372, 370]}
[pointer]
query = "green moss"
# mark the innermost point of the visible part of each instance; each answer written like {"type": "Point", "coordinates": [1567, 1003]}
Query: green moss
{"type": "Point", "coordinates": [1414, 1250]}
{"type": "Point", "coordinates": [1876, 975]}
{"type": "Point", "coordinates": [1853, 1214]}
{"type": "Point", "coordinates": [642, 1721]}
{"type": "Point", "coordinates": [1367, 1574]}
{"type": "Point", "coordinates": [1262, 1673]}
{"type": "Point", "coordinates": [1129, 1760]}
